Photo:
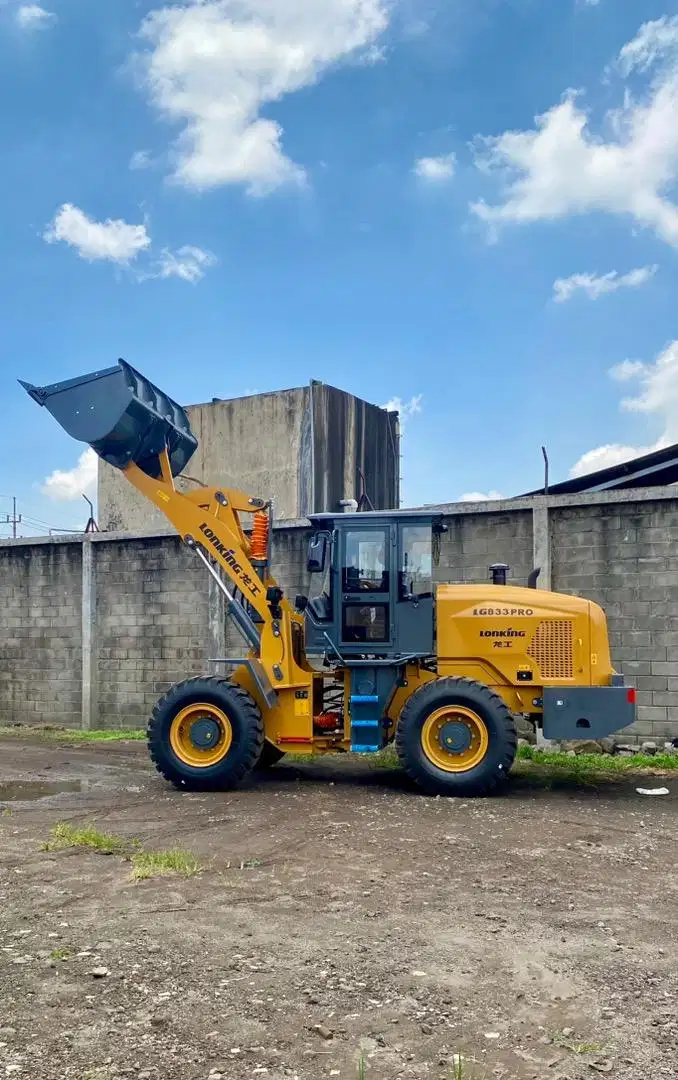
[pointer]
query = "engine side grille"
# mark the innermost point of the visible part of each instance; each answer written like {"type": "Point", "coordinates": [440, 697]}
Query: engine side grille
{"type": "Point", "coordinates": [553, 649]}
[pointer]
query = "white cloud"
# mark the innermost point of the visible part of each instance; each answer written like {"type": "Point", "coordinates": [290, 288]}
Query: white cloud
{"type": "Point", "coordinates": [120, 243]}
{"type": "Point", "coordinates": [628, 369]}
{"type": "Point", "coordinates": [653, 40]}
{"type": "Point", "coordinates": [34, 17]}
{"type": "Point", "coordinates": [658, 394]}
{"type": "Point", "coordinates": [73, 484]}
{"type": "Point", "coordinates": [213, 66]}
{"type": "Point", "coordinates": [188, 263]}
{"type": "Point", "coordinates": [604, 457]}
{"type": "Point", "coordinates": [115, 241]}
{"type": "Point", "coordinates": [481, 496]}
{"type": "Point", "coordinates": [596, 286]}
{"type": "Point", "coordinates": [436, 168]}
{"type": "Point", "coordinates": [657, 398]}
{"type": "Point", "coordinates": [141, 159]}
{"type": "Point", "coordinates": [564, 167]}
{"type": "Point", "coordinates": [406, 409]}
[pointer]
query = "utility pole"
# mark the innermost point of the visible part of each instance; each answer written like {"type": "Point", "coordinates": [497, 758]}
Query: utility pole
{"type": "Point", "coordinates": [91, 525]}
{"type": "Point", "coordinates": [14, 519]}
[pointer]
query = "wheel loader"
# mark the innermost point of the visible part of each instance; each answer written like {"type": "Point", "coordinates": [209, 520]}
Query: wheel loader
{"type": "Point", "coordinates": [375, 654]}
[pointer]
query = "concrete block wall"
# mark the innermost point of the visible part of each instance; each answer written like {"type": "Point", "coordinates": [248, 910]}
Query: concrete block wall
{"type": "Point", "coordinates": [476, 540]}
{"type": "Point", "coordinates": [152, 625]}
{"type": "Point", "coordinates": [625, 557]}
{"type": "Point", "coordinates": [112, 621]}
{"type": "Point", "coordinates": [40, 634]}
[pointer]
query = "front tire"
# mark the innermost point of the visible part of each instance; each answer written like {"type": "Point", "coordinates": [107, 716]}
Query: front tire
{"type": "Point", "coordinates": [456, 737]}
{"type": "Point", "coordinates": [205, 734]}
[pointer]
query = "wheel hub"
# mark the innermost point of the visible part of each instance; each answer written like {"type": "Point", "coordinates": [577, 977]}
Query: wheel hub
{"type": "Point", "coordinates": [455, 737]}
{"type": "Point", "coordinates": [205, 733]}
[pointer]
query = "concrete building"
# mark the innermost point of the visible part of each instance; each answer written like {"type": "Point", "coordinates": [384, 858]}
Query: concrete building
{"type": "Point", "coordinates": [306, 449]}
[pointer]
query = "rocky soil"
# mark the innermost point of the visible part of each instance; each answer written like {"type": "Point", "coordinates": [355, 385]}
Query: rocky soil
{"type": "Point", "coordinates": [339, 915]}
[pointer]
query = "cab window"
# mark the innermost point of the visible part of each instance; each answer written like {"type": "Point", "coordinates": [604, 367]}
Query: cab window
{"type": "Point", "coordinates": [366, 561]}
{"type": "Point", "coordinates": [416, 568]}
{"type": "Point", "coordinates": [365, 623]}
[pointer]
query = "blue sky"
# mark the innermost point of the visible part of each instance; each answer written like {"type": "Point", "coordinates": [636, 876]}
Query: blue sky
{"type": "Point", "coordinates": [242, 195]}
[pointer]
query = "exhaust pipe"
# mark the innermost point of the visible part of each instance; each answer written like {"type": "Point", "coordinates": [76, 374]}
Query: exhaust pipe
{"type": "Point", "coordinates": [122, 416]}
{"type": "Point", "coordinates": [499, 573]}
{"type": "Point", "coordinates": [533, 578]}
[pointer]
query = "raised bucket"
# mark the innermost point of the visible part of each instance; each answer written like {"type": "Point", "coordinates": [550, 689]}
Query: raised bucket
{"type": "Point", "coordinates": [122, 416]}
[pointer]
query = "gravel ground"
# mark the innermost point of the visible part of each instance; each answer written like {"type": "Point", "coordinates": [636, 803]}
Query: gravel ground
{"type": "Point", "coordinates": [339, 915]}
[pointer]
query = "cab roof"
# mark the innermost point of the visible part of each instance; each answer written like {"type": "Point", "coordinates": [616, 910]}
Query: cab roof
{"type": "Point", "coordinates": [375, 516]}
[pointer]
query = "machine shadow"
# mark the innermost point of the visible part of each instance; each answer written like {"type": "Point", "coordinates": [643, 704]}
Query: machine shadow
{"type": "Point", "coordinates": [523, 787]}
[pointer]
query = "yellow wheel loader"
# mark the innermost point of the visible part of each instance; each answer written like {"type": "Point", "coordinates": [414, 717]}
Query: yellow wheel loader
{"type": "Point", "coordinates": [375, 654]}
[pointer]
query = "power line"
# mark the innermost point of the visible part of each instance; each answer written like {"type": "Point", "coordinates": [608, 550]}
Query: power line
{"type": "Point", "coordinates": [32, 521]}
{"type": "Point", "coordinates": [14, 519]}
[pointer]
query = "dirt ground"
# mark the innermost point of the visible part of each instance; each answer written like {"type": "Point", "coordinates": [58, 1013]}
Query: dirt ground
{"type": "Point", "coordinates": [533, 934]}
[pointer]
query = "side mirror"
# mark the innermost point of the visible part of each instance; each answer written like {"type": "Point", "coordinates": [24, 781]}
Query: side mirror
{"type": "Point", "coordinates": [317, 553]}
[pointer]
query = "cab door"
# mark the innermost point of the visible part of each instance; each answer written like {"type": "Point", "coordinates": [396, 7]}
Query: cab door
{"type": "Point", "coordinates": [366, 609]}
{"type": "Point", "coordinates": [414, 596]}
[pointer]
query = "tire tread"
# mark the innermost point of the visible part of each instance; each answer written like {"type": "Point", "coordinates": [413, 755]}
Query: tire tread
{"type": "Point", "coordinates": [408, 728]}
{"type": "Point", "coordinates": [253, 738]}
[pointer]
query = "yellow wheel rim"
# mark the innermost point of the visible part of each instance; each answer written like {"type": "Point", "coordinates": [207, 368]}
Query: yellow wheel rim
{"type": "Point", "coordinates": [455, 739]}
{"type": "Point", "coordinates": [201, 735]}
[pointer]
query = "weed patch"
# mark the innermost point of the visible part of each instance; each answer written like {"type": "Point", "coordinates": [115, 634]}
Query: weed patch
{"type": "Point", "coordinates": [88, 836]}
{"type": "Point", "coordinates": [145, 864]}
{"type": "Point", "coordinates": [576, 1047]}
{"type": "Point", "coordinates": [546, 768]}
{"type": "Point", "coordinates": [148, 864]}
{"type": "Point", "coordinates": [70, 735]}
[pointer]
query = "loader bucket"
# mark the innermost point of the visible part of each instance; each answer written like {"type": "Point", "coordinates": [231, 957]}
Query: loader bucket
{"type": "Point", "coordinates": [122, 416]}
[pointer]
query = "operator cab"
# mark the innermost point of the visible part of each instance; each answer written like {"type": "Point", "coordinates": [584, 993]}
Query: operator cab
{"type": "Point", "coordinates": [371, 584]}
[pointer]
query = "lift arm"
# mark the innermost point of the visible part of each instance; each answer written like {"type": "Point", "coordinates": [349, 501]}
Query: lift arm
{"type": "Point", "coordinates": [133, 426]}
{"type": "Point", "coordinates": [210, 519]}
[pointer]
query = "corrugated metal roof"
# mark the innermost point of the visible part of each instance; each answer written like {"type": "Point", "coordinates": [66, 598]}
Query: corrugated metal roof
{"type": "Point", "coordinates": [651, 470]}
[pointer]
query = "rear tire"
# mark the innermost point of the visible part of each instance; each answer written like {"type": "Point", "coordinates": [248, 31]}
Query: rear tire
{"type": "Point", "coordinates": [456, 737]}
{"type": "Point", "coordinates": [270, 756]}
{"type": "Point", "coordinates": [205, 734]}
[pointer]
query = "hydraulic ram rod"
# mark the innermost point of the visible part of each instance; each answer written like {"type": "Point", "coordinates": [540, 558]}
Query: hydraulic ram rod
{"type": "Point", "coordinates": [240, 616]}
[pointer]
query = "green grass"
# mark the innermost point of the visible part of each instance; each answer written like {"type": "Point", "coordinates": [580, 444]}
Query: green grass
{"type": "Point", "coordinates": [60, 953]}
{"type": "Point", "coordinates": [74, 735]}
{"type": "Point", "coordinates": [546, 768]}
{"type": "Point", "coordinates": [461, 1070]}
{"type": "Point", "coordinates": [145, 864]}
{"type": "Point", "coordinates": [148, 864]}
{"type": "Point", "coordinates": [64, 835]}
{"type": "Point", "coordinates": [614, 763]}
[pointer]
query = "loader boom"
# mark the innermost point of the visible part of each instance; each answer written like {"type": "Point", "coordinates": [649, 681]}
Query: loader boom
{"type": "Point", "coordinates": [208, 520]}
